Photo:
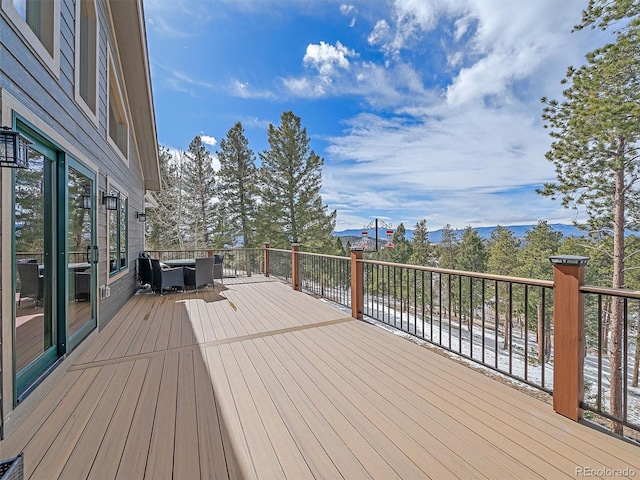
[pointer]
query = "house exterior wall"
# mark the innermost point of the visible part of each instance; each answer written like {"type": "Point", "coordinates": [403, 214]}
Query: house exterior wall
{"type": "Point", "coordinates": [42, 93]}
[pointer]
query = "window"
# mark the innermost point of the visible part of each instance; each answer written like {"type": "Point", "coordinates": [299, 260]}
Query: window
{"type": "Point", "coordinates": [39, 23]}
{"type": "Point", "coordinates": [118, 233]}
{"type": "Point", "coordinates": [39, 16]}
{"type": "Point", "coordinates": [87, 53]}
{"type": "Point", "coordinates": [118, 128]}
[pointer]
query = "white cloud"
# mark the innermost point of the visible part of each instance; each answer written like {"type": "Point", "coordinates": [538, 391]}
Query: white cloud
{"type": "Point", "coordinates": [246, 90]}
{"type": "Point", "coordinates": [468, 166]}
{"type": "Point", "coordinates": [209, 140]}
{"type": "Point", "coordinates": [380, 33]}
{"type": "Point", "coordinates": [347, 9]}
{"type": "Point", "coordinates": [326, 58]}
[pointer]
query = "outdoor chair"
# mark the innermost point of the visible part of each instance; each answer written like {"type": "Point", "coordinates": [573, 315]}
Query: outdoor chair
{"type": "Point", "coordinates": [83, 285]}
{"type": "Point", "coordinates": [167, 278]}
{"type": "Point", "coordinates": [145, 272]}
{"type": "Point", "coordinates": [218, 268]}
{"type": "Point", "coordinates": [31, 282]}
{"type": "Point", "coordinates": [202, 274]}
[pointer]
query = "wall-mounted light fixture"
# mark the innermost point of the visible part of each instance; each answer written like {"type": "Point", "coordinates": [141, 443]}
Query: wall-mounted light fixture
{"type": "Point", "coordinates": [86, 201]}
{"type": "Point", "coordinates": [110, 201]}
{"type": "Point", "coordinates": [14, 149]}
{"type": "Point", "coordinates": [141, 216]}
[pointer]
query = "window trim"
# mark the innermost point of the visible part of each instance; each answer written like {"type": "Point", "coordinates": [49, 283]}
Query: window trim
{"type": "Point", "coordinates": [114, 81]}
{"type": "Point", "coordinates": [86, 108]}
{"type": "Point", "coordinates": [32, 41]}
{"type": "Point", "coordinates": [113, 276]}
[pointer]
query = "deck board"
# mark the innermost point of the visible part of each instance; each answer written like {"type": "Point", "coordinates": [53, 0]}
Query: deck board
{"type": "Point", "coordinates": [258, 381]}
{"type": "Point", "coordinates": [539, 421]}
{"type": "Point", "coordinates": [160, 458]}
{"type": "Point", "coordinates": [81, 459]}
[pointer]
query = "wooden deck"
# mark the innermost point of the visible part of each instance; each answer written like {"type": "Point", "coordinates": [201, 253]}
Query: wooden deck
{"type": "Point", "coordinates": [271, 383]}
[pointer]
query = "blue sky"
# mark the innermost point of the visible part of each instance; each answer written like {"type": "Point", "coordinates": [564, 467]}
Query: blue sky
{"type": "Point", "coordinates": [420, 108]}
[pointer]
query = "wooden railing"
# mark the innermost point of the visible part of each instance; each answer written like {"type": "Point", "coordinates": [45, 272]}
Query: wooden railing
{"type": "Point", "coordinates": [527, 329]}
{"type": "Point", "coordinates": [552, 335]}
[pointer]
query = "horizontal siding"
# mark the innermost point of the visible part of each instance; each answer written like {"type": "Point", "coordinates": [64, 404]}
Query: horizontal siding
{"type": "Point", "coordinates": [52, 100]}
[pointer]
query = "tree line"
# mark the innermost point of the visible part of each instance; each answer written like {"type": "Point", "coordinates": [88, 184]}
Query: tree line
{"type": "Point", "coordinates": [277, 201]}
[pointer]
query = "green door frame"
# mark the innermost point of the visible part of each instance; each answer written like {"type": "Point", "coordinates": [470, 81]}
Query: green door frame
{"type": "Point", "coordinates": [55, 259]}
{"type": "Point", "coordinates": [78, 336]}
{"type": "Point", "coordinates": [35, 370]}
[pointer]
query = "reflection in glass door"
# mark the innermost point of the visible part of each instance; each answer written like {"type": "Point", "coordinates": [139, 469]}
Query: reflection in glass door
{"type": "Point", "coordinates": [82, 254]}
{"type": "Point", "coordinates": [35, 330]}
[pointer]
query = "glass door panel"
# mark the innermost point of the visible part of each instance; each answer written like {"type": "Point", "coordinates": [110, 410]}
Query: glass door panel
{"type": "Point", "coordinates": [35, 333]}
{"type": "Point", "coordinates": [82, 252]}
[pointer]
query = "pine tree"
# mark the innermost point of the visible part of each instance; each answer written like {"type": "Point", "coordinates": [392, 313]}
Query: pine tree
{"type": "Point", "coordinates": [540, 243]}
{"type": "Point", "coordinates": [603, 13]}
{"type": "Point", "coordinates": [503, 260]}
{"type": "Point", "coordinates": [422, 250]}
{"type": "Point", "coordinates": [238, 184]}
{"type": "Point", "coordinates": [596, 132]}
{"type": "Point", "coordinates": [471, 254]}
{"type": "Point", "coordinates": [164, 223]}
{"type": "Point", "coordinates": [340, 248]}
{"type": "Point", "coordinates": [291, 208]}
{"type": "Point", "coordinates": [447, 248]}
{"type": "Point", "coordinates": [199, 195]}
{"type": "Point", "coordinates": [401, 250]}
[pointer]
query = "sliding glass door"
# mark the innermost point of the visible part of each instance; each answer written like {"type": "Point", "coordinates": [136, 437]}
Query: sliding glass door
{"type": "Point", "coordinates": [36, 332]}
{"type": "Point", "coordinates": [82, 253]}
{"type": "Point", "coordinates": [55, 260]}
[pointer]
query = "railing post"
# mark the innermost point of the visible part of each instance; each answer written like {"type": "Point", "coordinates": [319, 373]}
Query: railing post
{"type": "Point", "coordinates": [295, 266]}
{"type": "Point", "coordinates": [568, 335]}
{"type": "Point", "coordinates": [357, 283]}
{"type": "Point", "coordinates": [266, 259]}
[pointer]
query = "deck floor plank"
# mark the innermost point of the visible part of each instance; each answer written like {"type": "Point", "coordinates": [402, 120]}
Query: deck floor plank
{"type": "Point", "coordinates": [310, 447]}
{"type": "Point", "coordinates": [165, 317]}
{"type": "Point", "coordinates": [175, 324]}
{"type": "Point", "coordinates": [291, 460]}
{"type": "Point", "coordinates": [437, 450]}
{"type": "Point", "coordinates": [82, 458]}
{"type": "Point", "coordinates": [111, 450]}
{"type": "Point", "coordinates": [136, 448]}
{"type": "Point", "coordinates": [213, 461]}
{"type": "Point", "coordinates": [260, 381]}
{"type": "Point", "coordinates": [333, 445]}
{"type": "Point", "coordinates": [110, 335]}
{"type": "Point", "coordinates": [186, 463]}
{"type": "Point", "coordinates": [235, 442]}
{"type": "Point", "coordinates": [187, 334]}
{"type": "Point", "coordinates": [354, 439]}
{"type": "Point", "coordinates": [360, 415]}
{"type": "Point", "coordinates": [546, 427]}
{"type": "Point", "coordinates": [486, 459]}
{"type": "Point", "coordinates": [156, 318]}
{"type": "Point", "coordinates": [31, 425]}
{"type": "Point", "coordinates": [160, 458]}
{"type": "Point", "coordinates": [511, 442]}
{"type": "Point", "coordinates": [39, 443]}
{"type": "Point", "coordinates": [63, 437]}
{"type": "Point", "coordinates": [263, 454]}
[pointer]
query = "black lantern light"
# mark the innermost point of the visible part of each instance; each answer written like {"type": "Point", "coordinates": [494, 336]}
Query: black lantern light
{"type": "Point", "coordinates": [141, 216]}
{"type": "Point", "coordinates": [14, 149]}
{"type": "Point", "coordinates": [110, 201]}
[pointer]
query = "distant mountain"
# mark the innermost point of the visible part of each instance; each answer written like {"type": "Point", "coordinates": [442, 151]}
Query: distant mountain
{"type": "Point", "coordinates": [484, 232]}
